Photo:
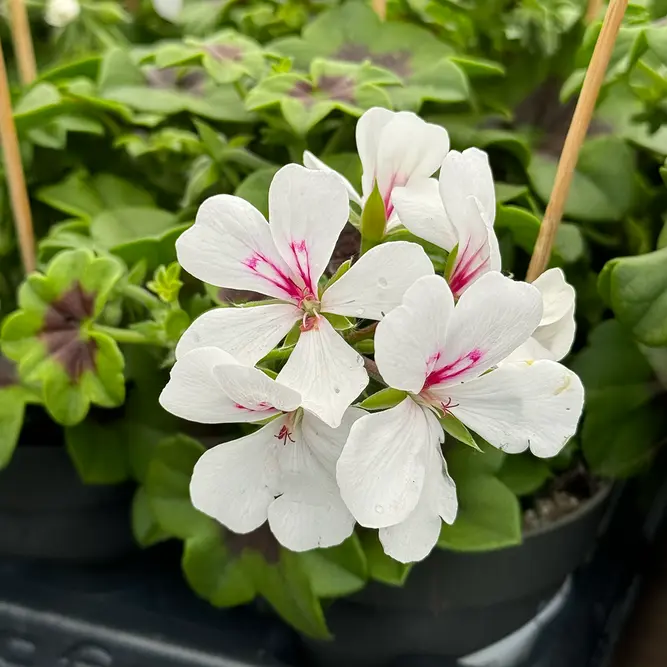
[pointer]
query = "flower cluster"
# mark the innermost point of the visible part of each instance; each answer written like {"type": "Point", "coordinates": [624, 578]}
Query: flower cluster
{"type": "Point", "coordinates": [474, 346]}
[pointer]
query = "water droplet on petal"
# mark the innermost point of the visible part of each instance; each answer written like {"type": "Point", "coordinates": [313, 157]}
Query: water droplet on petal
{"type": "Point", "coordinates": [382, 282]}
{"type": "Point", "coordinates": [379, 509]}
{"type": "Point", "coordinates": [336, 390]}
{"type": "Point", "coordinates": [359, 311]}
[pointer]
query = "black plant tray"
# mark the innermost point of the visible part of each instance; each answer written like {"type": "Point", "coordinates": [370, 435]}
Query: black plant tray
{"type": "Point", "coordinates": [139, 613]}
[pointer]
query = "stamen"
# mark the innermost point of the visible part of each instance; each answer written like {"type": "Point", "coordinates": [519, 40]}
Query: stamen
{"type": "Point", "coordinates": [284, 434]}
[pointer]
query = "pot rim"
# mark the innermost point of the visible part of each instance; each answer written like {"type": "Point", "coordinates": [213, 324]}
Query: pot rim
{"type": "Point", "coordinates": [588, 505]}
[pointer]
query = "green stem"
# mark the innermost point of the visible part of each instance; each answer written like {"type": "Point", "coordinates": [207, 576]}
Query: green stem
{"type": "Point", "coordinates": [357, 335]}
{"type": "Point", "coordinates": [124, 335]}
{"type": "Point", "coordinates": [240, 89]}
{"type": "Point", "coordinates": [142, 296]}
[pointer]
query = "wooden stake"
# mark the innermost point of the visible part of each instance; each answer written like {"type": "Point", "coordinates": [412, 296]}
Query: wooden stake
{"type": "Point", "coordinates": [593, 9]}
{"type": "Point", "coordinates": [14, 173]}
{"type": "Point", "coordinates": [23, 49]}
{"type": "Point", "coordinates": [380, 7]}
{"type": "Point", "coordinates": [575, 137]}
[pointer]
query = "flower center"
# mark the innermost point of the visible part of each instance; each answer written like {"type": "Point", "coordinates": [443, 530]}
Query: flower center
{"type": "Point", "coordinates": [284, 434]}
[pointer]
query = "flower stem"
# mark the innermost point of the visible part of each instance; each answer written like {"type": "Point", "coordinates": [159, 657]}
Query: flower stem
{"type": "Point", "coordinates": [142, 296]}
{"type": "Point", "coordinates": [364, 333]}
{"type": "Point", "coordinates": [372, 370]}
{"type": "Point", "coordinates": [124, 335]}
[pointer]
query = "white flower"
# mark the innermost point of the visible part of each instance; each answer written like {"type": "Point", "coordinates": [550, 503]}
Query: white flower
{"type": "Point", "coordinates": [456, 214]}
{"type": "Point", "coordinates": [231, 245]}
{"type": "Point", "coordinates": [169, 10]}
{"type": "Point", "coordinates": [60, 13]}
{"type": "Point", "coordinates": [283, 472]}
{"type": "Point", "coordinates": [391, 473]}
{"type": "Point", "coordinates": [554, 336]}
{"type": "Point", "coordinates": [397, 150]}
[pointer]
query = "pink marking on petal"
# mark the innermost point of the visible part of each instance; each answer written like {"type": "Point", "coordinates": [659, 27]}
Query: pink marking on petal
{"type": "Point", "coordinates": [309, 323]}
{"type": "Point", "coordinates": [397, 181]}
{"type": "Point", "coordinates": [466, 272]}
{"type": "Point", "coordinates": [261, 407]}
{"type": "Point", "coordinates": [301, 257]}
{"type": "Point", "coordinates": [274, 275]}
{"type": "Point", "coordinates": [453, 370]}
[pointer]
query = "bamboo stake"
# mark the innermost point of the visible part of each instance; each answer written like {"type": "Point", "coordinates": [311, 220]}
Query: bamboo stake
{"type": "Point", "coordinates": [25, 53]}
{"type": "Point", "coordinates": [14, 173]}
{"type": "Point", "coordinates": [380, 7]}
{"type": "Point", "coordinates": [593, 9]}
{"type": "Point", "coordinates": [575, 136]}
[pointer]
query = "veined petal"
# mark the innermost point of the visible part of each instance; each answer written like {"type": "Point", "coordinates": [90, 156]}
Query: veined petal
{"type": "Point", "coordinates": [409, 149]}
{"type": "Point", "coordinates": [254, 392]}
{"type": "Point", "coordinates": [312, 162]}
{"type": "Point", "coordinates": [468, 174]}
{"type": "Point", "coordinates": [326, 371]}
{"type": "Point", "coordinates": [494, 316]}
{"type": "Point", "coordinates": [478, 251]}
{"type": "Point", "coordinates": [420, 211]}
{"type": "Point", "coordinates": [413, 539]}
{"type": "Point", "coordinates": [521, 406]}
{"type": "Point", "coordinates": [381, 470]}
{"type": "Point", "coordinates": [377, 282]}
{"type": "Point", "coordinates": [248, 334]}
{"type": "Point", "coordinates": [230, 245]}
{"type": "Point", "coordinates": [209, 386]}
{"type": "Point", "coordinates": [557, 337]}
{"type": "Point", "coordinates": [369, 129]}
{"type": "Point", "coordinates": [310, 513]}
{"type": "Point", "coordinates": [193, 393]}
{"type": "Point", "coordinates": [308, 210]}
{"type": "Point", "coordinates": [236, 481]}
{"type": "Point", "coordinates": [558, 296]}
{"type": "Point", "coordinates": [410, 339]}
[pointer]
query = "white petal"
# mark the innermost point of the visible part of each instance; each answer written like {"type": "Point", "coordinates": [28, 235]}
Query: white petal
{"type": "Point", "coordinates": [409, 148]}
{"type": "Point", "coordinates": [326, 371]}
{"type": "Point", "coordinates": [254, 391]}
{"type": "Point", "coordinates": [377, 282]}
{"type": "Point", "coordinates": [421, 212]}
{"type": "Point", "coordinates": [410, 338]}
{"type": "Point", "coordinates": [308, 210]}
{"type": "Point", "coordinates": [468, 174]}
{"type": "Point", "coordinates": [494, 316]}
{"type": "Point", "coordinates": [531, 350]}
{"type": "Point", "coordinates": [558, 295]}
{"type": "Point", "coordinates": [169, 10]}
{"type": "Point", "coordinates": [369, 129]}
{"type": "Point", "coordinates": [310, 513]}
{"type": "Point", "coordinates": [381, 470]}
{"type": "Point", "coordinates": [413, 539]}
{"type": "Point", "coordinates": [230, 245]}
{"type": "Point", "coordinates": [248, 334]}
{"type": "Point", "coordinates": [478, 251]}
{"type": "Point", "coordinates": [193, 392]}
{"type": "Point", "coordinates": [312, 162]}
{"type": "Point", "coordinates": [520, 406]}
{"type": "Point", "coordinates": [236, 481]}
{"type": "Point", "coordinates": [557, 337]}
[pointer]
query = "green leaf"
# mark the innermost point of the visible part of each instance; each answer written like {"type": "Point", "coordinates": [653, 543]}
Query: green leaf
{"type": "Point", "coordinates": [99, 452]}
{"type": "Point", "coordinates": [524, 474]}
{"type": "Point", "coordinates": [145, 527]}
{"type": "Point", "coordinates": [458, 430]}
{"type": "Point", "coordinates": [286, 586]}
{"type": "Point", "coordinates": [213, 572]}
{"type": "Point", "coordinates": [12, 409]}
{"type": "Point", "coordinates": [339, 322]}
{"type": "Point", "coordinates": [114, 228]}
{"type": "Point", "coordinates": [381, 567]}
{"type": "Point", "coordinates": [74, 196]}
{"type": "Point", "coordinates": [336, 571]}
{"type": "Point", "coordinates": [168, 486]}
{"type": "Point", "coordinates": [638, 291]}
{"type": "Point", "coordinates": [451, 262]}
{"type": "Point", "coordinates": [383, 399]}
{"type": "Point", "coordinates": [622, 421]}
{"type": "Point", "coordinates": [66, 402]}
{"type": "Point", "coordinates": [116, 192]}
{"type": "Point", "coordinates": [255, 189]}
{"type": "Point", "coordinates": [340, 272]}
{"type": "Point", "coordinates": [489, 516]}
{"type": "Point", "coordinates": [373, 220]}
{"type": "Point", "coordinates": [603, 184]}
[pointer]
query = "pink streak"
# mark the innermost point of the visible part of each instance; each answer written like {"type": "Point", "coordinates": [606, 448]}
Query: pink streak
{"type": "Point", "coordinates": [452, 371]}
{"type": "Point", "coordinates": [464, 273]}
{"type": "Point", "coordinates": [300, 252]}
{"type": "Point", "coordinates": [261, 407]}
{"type": "Point", "coordinates": [282, 281]}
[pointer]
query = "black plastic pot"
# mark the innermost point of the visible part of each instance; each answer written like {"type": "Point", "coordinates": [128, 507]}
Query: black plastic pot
{"type": "Point", "coordinates": [47, 512]}
{"type": "Point", "coordinates": [453, 603]}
